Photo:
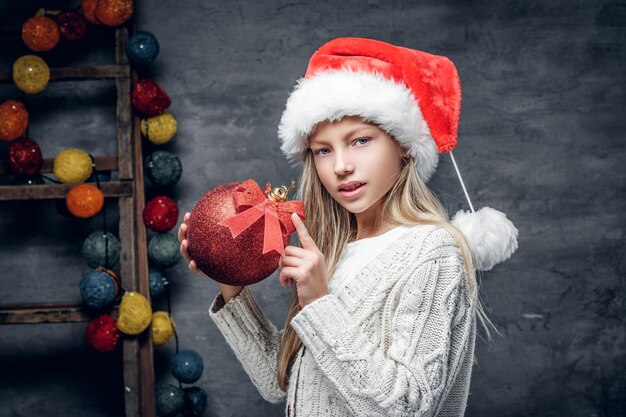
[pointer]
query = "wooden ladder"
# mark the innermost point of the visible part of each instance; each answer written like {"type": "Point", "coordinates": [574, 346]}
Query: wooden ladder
{"type": "Point", "coordinates": [129, 188]}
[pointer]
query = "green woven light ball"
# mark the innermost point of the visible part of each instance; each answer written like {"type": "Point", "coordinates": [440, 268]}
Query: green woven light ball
{"type": "Point", "coordinates": [164, 249]}
{"type": "Point", "coordinates": [169, 400]}
{"type": "Point", "coordinates": [95, 247]}
{"type": "Point", "coordinates": [163, 168]}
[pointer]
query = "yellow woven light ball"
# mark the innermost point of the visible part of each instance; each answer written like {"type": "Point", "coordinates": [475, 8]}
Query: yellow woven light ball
{"type": "Point", "coordinates": [72, 166]}
{"type": "Point", "coordinates": [163, 327]}
{"type": "Point", "coordinates": [31, 74]}
{"type": "Point", "coordinates": [159, 129]}
{"type": "Point", "coordinates": [135, 313]}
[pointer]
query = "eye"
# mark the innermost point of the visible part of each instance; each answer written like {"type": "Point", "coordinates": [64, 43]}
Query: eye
{"type": "Point", "coordinates": [317, 152]}
{"type": "Point", "coordinates": [365, 139]}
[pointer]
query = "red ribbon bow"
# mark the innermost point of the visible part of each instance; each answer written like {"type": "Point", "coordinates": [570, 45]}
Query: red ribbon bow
{"type": "Point", "coordinates": [251, 204]}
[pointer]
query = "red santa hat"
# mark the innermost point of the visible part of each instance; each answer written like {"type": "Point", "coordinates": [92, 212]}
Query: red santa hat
{"type": "Point", "coordinates": [415, 97]}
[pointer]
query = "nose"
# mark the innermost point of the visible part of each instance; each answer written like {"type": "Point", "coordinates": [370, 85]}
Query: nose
{"type": "Point", "coordinates": [342, 165]}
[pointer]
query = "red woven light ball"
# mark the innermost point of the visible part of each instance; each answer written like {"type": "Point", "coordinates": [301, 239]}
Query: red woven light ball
{"type": "Point", "coordinates": [237, 261]}
{"type": "Point", "coordinates": [160, 214]}
{"type": "Point", "coordinates": [89, 11]}
{"type": "Point", "coordinates": [13, 120]}
{"type": "Point", "coordinates": [72, 26]}
{"type": "Point", "coordinates": [40, 33]}
{"type": "Point", "coordinates": [102, 334]}
{"type": "Point", "coordinates": [114, 12]}
{"type": "Point", "coordinates": [25, 156]}
{"type": "Point", "coordinates": [149, 98]}
{"type": "Point", "coordinates": [84, 200]}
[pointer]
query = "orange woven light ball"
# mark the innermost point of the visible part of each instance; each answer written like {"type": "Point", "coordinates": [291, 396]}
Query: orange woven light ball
{"type": "Point", "coordinates": [114, 12]}
{"type": "Point", "coordinates": [13, 120]}
{"type": "Point", "coordinates": [84, 200]}
{"type": "Point", "coordinates": [89, 11]}
{"type": "Point", "coordinates": [40, 33]}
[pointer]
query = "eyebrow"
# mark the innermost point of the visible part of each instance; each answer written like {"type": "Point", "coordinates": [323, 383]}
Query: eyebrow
{"type": "Point", "coordinates": [347, 135]}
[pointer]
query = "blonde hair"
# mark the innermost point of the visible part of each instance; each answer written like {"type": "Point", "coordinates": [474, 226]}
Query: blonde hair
{"type": "Point", "coordinates": [331, 226]}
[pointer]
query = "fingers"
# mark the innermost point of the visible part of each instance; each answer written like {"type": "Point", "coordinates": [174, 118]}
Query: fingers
{"type": "Point", "coordinates": [182, 230]}
{"type": "Point", "coordinates": [303, 234]}
{"type": "Point", "coordinates": [184, 249]}
{"type": "Point", "coordinates": [194, 268]}
{"type": "Point", "coordinates": [286, 276]}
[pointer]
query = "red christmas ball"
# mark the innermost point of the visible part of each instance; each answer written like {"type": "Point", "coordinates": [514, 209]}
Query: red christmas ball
{"type": "Point", "coordinates": [102, 334]}
{"type": "Point", "coordinates": [72, 26]}
{"type": "Point", "coordinates": [25, 156]}
{"type": "Point", "coordinates": [160, 214]}
{"type": "Point", "coordinates": [238, 261]}
{"type": "Point", "coordinates": [149, 98]}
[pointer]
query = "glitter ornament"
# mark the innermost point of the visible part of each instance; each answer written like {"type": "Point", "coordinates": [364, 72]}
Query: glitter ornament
{"type": "Point", "coordinates": [135, 313]}
{"type": "Point", "coordinates": [72, 166]}
{"type": "Point", "coordinates": [114, 12]}
{"type": "Point", "coordinates": [169, 400]}
{"type": "Point", "coordinates": [142, 47]}
{"type": "Point", "coordinates": [157, 283]}
{"type": "Point", "coordinates": [187, 366]}
{"type": "Point", "coordinates": [159, 129]}
{"type": "Point", "coordinates": [13, 120]}
{"type": "Point", "coordinates": [197, 397]}
{"type": "Point", "coordinates": [101, 333]}
{"type": "Point", "coordinates": [72, 26]}
{"type": "Point", "coordinates": [160, 214]}
{"type": "Point", "coordinates": [163, 168]}
{"type": "Point", "coordinates": [164, 249]}
{"type": "Point", "coordinates": [96, 246]}
{"type": "Point", "coordinates": [31, 74]}
{"type": "Point", "coordinates": [163, 327]}
{"type": "Point", "coordinates": [149, 98]}
{"type": "Point", "coordinates": [24, 156]}
{"type": "Point", "coordinates": [261, 225]}
{"type": "Point", "coordinates": [89, 11]}
{"type": "Point", "coordinates": [98, 288]}
{"type": "Point", "coordinates": [40, 33]}
{"type": "Point", "coordinates": [84, 200]}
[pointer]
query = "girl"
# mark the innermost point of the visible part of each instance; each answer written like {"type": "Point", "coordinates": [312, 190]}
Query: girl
{"type": "Point", "coordinates": [382, 320]}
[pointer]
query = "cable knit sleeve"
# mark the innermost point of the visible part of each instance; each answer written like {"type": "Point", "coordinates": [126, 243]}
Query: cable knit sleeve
{"type": "Point", "coordinates": [411, 375]}
{"type": "Point", "coordinates": [253, 338]}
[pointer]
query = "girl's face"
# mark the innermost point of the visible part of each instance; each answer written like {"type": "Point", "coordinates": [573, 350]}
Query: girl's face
{"type": "Point", "coordinates": [352, 150]}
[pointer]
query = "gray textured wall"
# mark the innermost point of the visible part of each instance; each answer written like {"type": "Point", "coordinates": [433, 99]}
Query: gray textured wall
{"type": "Point", "coordinates": [541, 138]}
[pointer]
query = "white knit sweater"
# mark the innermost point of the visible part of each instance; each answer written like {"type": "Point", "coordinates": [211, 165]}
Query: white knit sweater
{"type": "Point", "coordinates": [397, 339]}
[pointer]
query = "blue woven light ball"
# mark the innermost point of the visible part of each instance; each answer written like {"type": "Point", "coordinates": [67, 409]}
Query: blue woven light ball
{"type": "Point", "coordinates": [169, 400]}
{"type": "Point", "coordinates": [142, 47]}
{"type": "Point", "coordinates": [163, 168]}
{"type": "Point", "coordinates": [95, 247]}
{"type": "Point", "coordinates": [157, 283]}
{"type": "Point", "coordinates": [97, 288]}
{"type": "Point", "coordinates": [197, 396]}
{"type": "Point", "coordinates": [164, 249]}
{"type": "Point", "coordinates": [187, 366]}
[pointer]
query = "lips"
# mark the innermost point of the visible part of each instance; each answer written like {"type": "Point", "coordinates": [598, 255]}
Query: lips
{"type": "Point", "coordinates": [351, 187]}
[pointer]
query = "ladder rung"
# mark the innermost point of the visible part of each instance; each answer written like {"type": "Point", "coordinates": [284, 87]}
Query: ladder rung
{"type": "Point", "coordinates": [52, 191]}
{"type": "Point", "coordinates": [103, 163]}
{"type": "Point", "coordinates": [46, 313]}
{"type": "Point", "coordinates": [78, 73]}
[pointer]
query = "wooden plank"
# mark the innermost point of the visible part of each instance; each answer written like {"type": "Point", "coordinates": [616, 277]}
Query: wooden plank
{"type": "Point", "coordinates": [59, 191]}
{"type": "Point", "coordinates": [46, 313]}
{"type": "Point", "coordinates": [138, 353]}
{"type": "Point", "coordinates": [103, 163]}
{"type": "Point", "coordinates": [100, 72]}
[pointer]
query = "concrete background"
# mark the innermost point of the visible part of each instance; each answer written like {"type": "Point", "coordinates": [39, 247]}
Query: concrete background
{"type": "Point", "coordinates": [541, 139]}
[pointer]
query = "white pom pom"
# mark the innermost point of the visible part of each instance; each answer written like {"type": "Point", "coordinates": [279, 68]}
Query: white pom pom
{"type": "Point", "coordinates": [491, 236]}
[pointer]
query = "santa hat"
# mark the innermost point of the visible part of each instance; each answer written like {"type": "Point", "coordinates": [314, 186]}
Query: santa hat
{"type": "Point", "coordinates": [415, 97]}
